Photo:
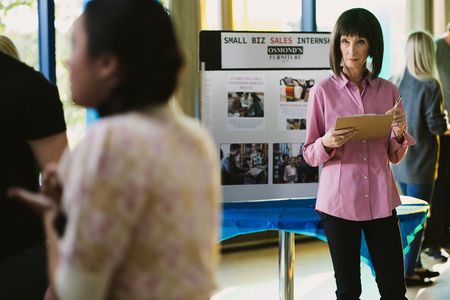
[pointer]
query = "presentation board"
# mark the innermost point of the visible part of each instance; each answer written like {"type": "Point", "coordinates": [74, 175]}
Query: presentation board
{"type": "Point", "coordinates": [255, 91]}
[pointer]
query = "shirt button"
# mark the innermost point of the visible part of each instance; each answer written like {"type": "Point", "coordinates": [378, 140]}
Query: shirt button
{"type": "Point", "coordinates": [365, 177]}
{"type": "Point", "coordinates": [363, 141]}
{"type": "Point", "coordinates": [367, 196]}
{"type": "Point", "coordinates": [364, 158]}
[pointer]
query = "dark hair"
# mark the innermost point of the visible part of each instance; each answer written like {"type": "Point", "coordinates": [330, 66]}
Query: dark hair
{"type": "Point", "coordinates": [360, 22]}
{"type": "Point", "coordinates": [234, 147]}
{"type": "Point", "coordinates": [140, 34]}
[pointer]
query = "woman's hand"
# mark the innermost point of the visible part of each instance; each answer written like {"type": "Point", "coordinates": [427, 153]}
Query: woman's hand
{"type": "Point", "coordinates": [51, 185]}
{"type": "Point", "coordinates": [398, 122]}
{"type": "Point", "coordinates": [337, 138]}
{"type": "Point", "coordinates": [47, 201]}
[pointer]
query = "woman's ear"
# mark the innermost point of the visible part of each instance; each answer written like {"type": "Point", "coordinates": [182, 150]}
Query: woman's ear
{"type": "Point", "coordinates": [107, 66]}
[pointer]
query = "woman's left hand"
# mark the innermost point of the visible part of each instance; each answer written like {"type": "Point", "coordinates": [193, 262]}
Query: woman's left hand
{"type": "Point", "coordinates": [39, 202]}
{"type": "Point", "coordinates": [399, 121]}
{"type": "Point", "coordinates": [46, 202]}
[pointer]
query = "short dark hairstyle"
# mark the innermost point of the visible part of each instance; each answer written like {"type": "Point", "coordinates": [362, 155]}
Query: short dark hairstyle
{"type": "Point", "coordinates": [140, 34]}
{"type": "Point", "coordinates": [362, 23]}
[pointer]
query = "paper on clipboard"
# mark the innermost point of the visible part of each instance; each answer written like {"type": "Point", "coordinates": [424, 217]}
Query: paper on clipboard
{"type": "Point", "coordinates": [370, 126]}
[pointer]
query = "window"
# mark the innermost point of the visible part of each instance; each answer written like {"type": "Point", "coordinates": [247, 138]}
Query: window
{"type": "Point", "coordinates": [280, 15]}
{"type": "Point", "coordinates": [65, 14]}
{"type": "Point", "coordinates": [19, 22]}
{"type": "Point", "coordinates": [211, 14]}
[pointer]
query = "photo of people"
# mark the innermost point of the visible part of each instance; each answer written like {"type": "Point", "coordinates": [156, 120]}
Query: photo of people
{"type": "Point", "coordinates": [295, 90]}
{"type": "Point", "coordinates": [289, 165]}
{"type": "Point", "coordinates": [245, 105]}
{"type": "Point", "coordinates": [244, 163]}
{"type": "Point", "coordinates": [295, 124]}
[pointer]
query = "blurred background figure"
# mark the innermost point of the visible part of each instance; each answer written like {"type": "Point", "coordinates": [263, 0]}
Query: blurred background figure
{"type": "Point", "coordinates": [7, 47]}
{"type": "Point", "coordinates": [437, 233]}
{"type": "Point", "coordinates": [34, 134]}
{"type": "Point", "coordinates": [422, 101]}
{"type": "Point", "coordinates": [141, 192]}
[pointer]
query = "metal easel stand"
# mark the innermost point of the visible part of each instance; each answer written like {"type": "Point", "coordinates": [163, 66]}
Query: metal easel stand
{"type": "Point", "coordinates": [286, 258]}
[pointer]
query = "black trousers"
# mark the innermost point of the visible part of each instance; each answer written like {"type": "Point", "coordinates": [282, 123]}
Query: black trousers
{"type": "Point", "coordinates": [438, 224]}
{"type": "Point", "coordinates": [24, 276]}
{"type": "Point", "coordinates": [385, 248]}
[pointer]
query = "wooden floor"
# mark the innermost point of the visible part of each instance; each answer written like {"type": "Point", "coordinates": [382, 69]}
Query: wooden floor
{"type": "Point", "coordinates": [253, 274]}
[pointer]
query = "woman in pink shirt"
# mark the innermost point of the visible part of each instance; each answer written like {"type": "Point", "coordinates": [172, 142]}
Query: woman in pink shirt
{"type": "Point", "coordinates": [357, 192]}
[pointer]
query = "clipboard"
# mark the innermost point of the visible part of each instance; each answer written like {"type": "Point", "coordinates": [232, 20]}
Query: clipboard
{"type": "Point", "coordinates": [370, 126]}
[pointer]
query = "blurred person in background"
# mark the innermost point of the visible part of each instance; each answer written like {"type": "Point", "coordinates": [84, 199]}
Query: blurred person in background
{"type": "Point", "coordinates": [7, 47]}
{"type": "Point", "coordinates": [34, 134]}
{"type": "Point", "coordinates": [422, 101]}
{"type": "Point", "coordinates": [437, 233]}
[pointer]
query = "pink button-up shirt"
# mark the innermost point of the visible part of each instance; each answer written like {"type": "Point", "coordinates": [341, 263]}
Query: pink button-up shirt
{"type": "Point", "coordinates": [356, 181]}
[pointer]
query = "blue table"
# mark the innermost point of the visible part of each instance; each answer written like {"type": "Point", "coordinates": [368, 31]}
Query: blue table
{"type": "Point", "coordinates": [290, 216]}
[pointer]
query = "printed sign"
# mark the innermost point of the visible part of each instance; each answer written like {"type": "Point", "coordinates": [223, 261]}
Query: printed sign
{"type": "Point", "coordinates": [255, 93]}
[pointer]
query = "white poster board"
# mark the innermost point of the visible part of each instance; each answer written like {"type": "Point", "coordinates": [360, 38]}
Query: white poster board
{"type": "Point", "coordinates": [254, 103]}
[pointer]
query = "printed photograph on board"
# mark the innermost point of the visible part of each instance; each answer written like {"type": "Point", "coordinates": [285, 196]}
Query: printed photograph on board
{"type": "Point", "coordinates": [295, 89]}
{"type": "Point", "coordinates": [289, 165]}
{"type": "Point", "coordinates": [245, 105]}
{"type": "Point", "coordinates": [244, 163]}
{"type": "Point", "coordinates": [295, 124]}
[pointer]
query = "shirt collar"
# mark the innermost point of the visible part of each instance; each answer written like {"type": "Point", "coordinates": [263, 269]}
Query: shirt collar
{"type": "Point", "coordinates": [342, 80]}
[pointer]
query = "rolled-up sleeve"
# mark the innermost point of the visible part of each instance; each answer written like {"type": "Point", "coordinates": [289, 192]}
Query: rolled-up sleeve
{"type": "Point", "coordinates": [398, 150]}
{"type": "Point", "coordinates": [313, 150]}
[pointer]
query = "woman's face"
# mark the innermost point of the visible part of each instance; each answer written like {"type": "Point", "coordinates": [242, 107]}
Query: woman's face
{"type": "Point", "coordinates": [355, 51]}
{"type": "Point", "coordinates": [87, 75]}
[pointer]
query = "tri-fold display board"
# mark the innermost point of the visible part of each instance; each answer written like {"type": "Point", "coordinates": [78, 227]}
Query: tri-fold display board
{"type": "Point", "coordinates": [255, 90]}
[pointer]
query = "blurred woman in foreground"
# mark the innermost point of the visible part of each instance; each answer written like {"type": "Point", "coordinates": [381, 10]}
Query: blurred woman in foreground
{"type": "Point", "coordinates": [141, 192]}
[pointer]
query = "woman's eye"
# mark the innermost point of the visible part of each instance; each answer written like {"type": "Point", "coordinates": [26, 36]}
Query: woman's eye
{"type": "Point", "coordinates": [361, 42]}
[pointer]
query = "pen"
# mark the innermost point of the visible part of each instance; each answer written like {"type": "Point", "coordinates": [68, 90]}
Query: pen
{"type": "Point", "coordinates": [397, 102]}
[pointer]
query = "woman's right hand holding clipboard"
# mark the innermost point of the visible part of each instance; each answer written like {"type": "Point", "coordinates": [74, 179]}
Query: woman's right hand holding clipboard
{"type": "Point", "coordinates": [337, 138]}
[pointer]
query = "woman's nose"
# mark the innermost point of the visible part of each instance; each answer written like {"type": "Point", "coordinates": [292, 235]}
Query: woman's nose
{"type": "Point", "coordinates": [351, 49]}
